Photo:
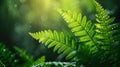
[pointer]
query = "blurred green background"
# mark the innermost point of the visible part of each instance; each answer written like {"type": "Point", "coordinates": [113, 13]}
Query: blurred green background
{"type": "Point", "coordinates": [18, 17]}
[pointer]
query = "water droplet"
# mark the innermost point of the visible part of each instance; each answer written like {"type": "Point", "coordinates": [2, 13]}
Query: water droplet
{"type": "Point", "coordinates": [15, 5]}
{"type": "Point", "coordinates": [15, 60]}
{"type": "Point", "coordinates": [12, 55]}
{"type": "Point", "coordinates": [4, 50]}
{"type": "Point", "coordinates": [113, 40]}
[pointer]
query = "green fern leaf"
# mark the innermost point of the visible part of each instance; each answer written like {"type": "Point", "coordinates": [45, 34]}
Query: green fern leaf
{"type": "Point", "coordinates": [7, 58]}
{"type": "Point", "coordinates": [105, 28]}
{"type": "Point", "coordinates": [80, 26]}
{"type": "Point", "coordinates": [39, 60]}
{"type": "Point", "coordinates": [24, 55]}
{"type": "Point", "coordinates": [62, 43]}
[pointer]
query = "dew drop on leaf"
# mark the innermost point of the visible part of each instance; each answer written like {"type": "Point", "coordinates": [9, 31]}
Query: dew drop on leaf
{"type": "Point", "coordinates": [4, 50]}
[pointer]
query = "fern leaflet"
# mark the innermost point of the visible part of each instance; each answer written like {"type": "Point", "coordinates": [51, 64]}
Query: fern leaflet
{"type": "Point", "coordinates": [82, 29]}
{"type": "Point", "coordinates": [7, 58]}
{"type": "Point", "coordinates": [105, 28]}
{"type": "Point", "coordinates": [62, 43]}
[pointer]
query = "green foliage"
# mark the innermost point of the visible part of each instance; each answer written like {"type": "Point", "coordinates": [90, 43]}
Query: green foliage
{"type": "Point", "coordinates": [24, 55]}
{"type": "Point", "coordinates": [108, 37]}
{"type": "Point", "coordinates": [92, 44]}
{"type": "Point", "coordinates": [63, 44]}
{"type": "Point", "coordinates": [83, 29]}
{"type": "Point", "coordinates": [56, 64]}
{"type": "Point", "coordinates": [29, 60]}
{"type": "Point", "coordinates": [39, 60]}
{"type": "Point", "coordinates": [7, 58]}
{"type": "Point", "coordinates": [103, 25]}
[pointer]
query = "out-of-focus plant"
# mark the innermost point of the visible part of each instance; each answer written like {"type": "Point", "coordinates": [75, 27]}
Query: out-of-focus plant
{"type": "Point", "coordinates": [29, 60]}
{"type": "Point", "coordinates": [7, 58]}
{"type": "Point", "coordinates": [10, 59]}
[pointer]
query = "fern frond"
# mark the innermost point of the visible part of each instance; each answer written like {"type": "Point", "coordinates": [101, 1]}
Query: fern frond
{"type": "Point", "coordinates": [29, 60]}
{"type": "Point", "coordinates": [2, 64]}
{"type": "Point", "coordinates": [56, 64]}
{"type": "Point", "coordinates": [106, 29]}
{"type": "Point", "coordinates": [80, 26]}
{"type": "Point", "coordinates": [115, 32]}
{"type": "Point", "coordinates": [7, 58]}
{"type": "Point", "coordinates": [62, 43]}
{"type": "Point", "coordinates": [24, 54]}
{"type": "Point", "coordinates": [39, 60]}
